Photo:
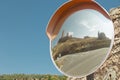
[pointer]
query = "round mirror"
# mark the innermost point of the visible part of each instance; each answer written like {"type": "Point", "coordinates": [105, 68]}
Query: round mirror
{"type": "Point", "coordinates": [82, 42]}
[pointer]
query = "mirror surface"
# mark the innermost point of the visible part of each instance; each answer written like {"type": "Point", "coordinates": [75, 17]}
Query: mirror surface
{"type": "Point", "coordinates": [83, 43]}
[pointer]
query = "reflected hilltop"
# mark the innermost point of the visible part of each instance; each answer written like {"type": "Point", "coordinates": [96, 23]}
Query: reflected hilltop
{"type": "Point", "coordinates": [68, 44]}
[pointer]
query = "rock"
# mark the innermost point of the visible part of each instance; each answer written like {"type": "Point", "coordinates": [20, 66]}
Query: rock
{"type": "Point", "coordinates": [111, 68]}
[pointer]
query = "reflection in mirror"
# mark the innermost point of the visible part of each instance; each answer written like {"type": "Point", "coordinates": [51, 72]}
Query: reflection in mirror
{"type": "Point", "coordinates": [83, 43]}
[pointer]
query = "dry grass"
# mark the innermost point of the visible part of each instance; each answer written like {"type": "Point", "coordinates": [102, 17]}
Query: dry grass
{"type": "Point", "coordinates": [76, 45]}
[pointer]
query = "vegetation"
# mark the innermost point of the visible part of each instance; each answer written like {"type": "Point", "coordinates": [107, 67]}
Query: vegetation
{"type": "Point", "coordinates": [31, 77]}
{"type": "Point", "coordinates": [75, 45]}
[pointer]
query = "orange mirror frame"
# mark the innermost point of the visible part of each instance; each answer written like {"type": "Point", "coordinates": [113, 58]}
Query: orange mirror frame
{"type": "Point", "coordinates": [66, 10]}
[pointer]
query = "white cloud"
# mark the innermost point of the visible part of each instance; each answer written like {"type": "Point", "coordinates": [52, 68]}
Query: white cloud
{"type": "Point", "coordinates": [88, 22]}
{"type": "Point", "coordinates": [90, 27]}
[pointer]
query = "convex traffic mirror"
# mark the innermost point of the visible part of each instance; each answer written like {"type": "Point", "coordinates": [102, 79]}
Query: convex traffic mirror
{"type": "Point", "coordinates": [81, 37]}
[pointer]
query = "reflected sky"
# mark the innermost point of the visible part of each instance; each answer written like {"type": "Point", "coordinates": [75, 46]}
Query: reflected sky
{"type": "Point", "coordinates": [86, 22]}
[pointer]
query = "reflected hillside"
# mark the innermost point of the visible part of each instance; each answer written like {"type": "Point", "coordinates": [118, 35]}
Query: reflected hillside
{"type": "Point", "coordinates": [68, 44]}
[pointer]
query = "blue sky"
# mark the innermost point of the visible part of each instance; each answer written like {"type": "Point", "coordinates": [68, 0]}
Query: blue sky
{"type": "Point", "coordinates": [24, 46]}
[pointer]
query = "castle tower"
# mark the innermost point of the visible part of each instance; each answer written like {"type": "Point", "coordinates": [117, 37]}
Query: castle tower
{"type": "Point", "coordinates": [101, 35]}
{"type": "Point", "coordinates": [98, 34]}
{"type": "Point", "coordinates": [63, 34]}
{"type": "Point", "coordinates": [67, 35]}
